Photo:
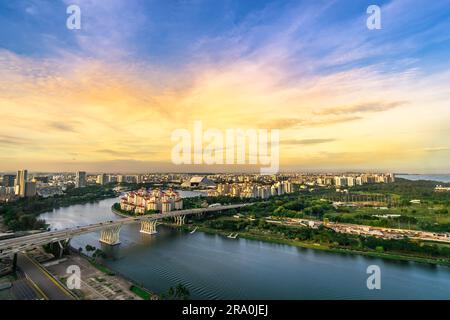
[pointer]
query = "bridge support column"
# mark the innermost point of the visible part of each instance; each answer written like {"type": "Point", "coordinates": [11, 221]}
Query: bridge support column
{"type": "Point", "coordinates": [110, 236]}
{"type": "Point", "coordinates": [15, 262]}
{"type": "Point", "coordinates": [179, 220]}
{"type": "Point", "coordinates": [148, 226]}
{"type": "Point", "coordinates": [63, 244]}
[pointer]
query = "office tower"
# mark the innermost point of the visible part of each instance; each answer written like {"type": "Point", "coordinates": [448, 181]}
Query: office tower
{"type": "Point", "coordinates": [21, 179]}
{"type": "Point", "coordinates": [8, 180]}
{"type": "Point", "coordinates": [80, 180]}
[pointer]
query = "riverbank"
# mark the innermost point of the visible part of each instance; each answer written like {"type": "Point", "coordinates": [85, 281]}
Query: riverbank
{"type": "Point", "coordinates": [115, 211]}
{"type": "Point", "coordinates": [100, 282]}
{"type": "Point", "coordinates": [317, 246]}
{"type": "Point", "coordinates": [308, 245]}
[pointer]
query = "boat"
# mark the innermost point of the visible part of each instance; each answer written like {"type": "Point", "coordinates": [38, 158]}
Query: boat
{"type": "Point", "coordinates": [231, 236]}
{"type": "Point", "coordinates": [193, 230]}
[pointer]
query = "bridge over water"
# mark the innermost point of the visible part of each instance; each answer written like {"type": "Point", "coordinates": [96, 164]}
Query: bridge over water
{"type": "Point", "coordinates": [110, 230]}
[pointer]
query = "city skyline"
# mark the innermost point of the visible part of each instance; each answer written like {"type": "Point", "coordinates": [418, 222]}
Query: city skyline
{"type": "Point", "coordinates": [106, 98]}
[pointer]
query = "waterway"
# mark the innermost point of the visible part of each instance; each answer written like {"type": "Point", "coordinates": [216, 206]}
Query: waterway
{"type": "Point", "coordinates": [216, 267]}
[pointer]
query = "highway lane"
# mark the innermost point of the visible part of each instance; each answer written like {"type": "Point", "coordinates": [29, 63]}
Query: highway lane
{"type": "Point", "coordinates": [42, 281]}
{"type": "Point", "coordinates": [23, 290]}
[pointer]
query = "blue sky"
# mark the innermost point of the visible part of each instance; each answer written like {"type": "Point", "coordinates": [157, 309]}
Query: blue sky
{"type": "Point", "coordinates": [173, 32]}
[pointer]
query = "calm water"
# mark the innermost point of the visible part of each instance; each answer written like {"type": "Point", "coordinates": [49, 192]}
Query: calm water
{"type": "Point", "coordinates": [215, 267]}
{"type": "Point", "coordinates": [432, 177]}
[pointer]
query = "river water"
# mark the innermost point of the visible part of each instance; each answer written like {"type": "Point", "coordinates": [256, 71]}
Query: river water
{"type": "Point", "coordinates": [216, 267]}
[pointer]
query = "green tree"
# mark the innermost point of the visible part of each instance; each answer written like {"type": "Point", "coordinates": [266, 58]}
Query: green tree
{"type": "Point", "coordinates": [90, 248]}
{"type": "Point", "coordinates": [180, 292]}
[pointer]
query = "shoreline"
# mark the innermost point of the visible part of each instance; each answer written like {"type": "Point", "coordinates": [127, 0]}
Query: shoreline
{"type": "Point", "coordinates": [317, 246]}
{"type": "Point", "coordinates": [143, 292]}
{"type": "Point", "coordinates": [312, 245]}
{"type": "Point", "coordinates": [138, 289]}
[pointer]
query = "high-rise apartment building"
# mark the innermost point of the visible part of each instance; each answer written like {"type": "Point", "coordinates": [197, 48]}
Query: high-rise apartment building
{"type": "Point", "coordinates": [80, 180]}
{"type": "Point", "coordinates": [21, 179]}
{"type": "Point", "coordinates": [350, 181]}
{"type": "Point", "coordinates": [102, 179]}
{"type": "Point", "coordinates": [30, 189]}
{"type": "Point", "coordinates": [8, 180]}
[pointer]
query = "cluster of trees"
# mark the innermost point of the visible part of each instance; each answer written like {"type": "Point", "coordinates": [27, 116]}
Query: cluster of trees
{"type": "Point", "coordinates": [405, 246]}
{"type": "Point", "coordinates": [371, 220]}
{"type": "Point", "coordinates": [331, 238]}
{"type": "Point", "coordinates": [292, 207]}
{"type": "Point", "coordinates": [180, 292]}
{"type": "Point", "coordinates": [434, 227]}
{"type": "Point", "coordinates": [96, 253]}
{"type": "Point", "coordinates": [22, 214]}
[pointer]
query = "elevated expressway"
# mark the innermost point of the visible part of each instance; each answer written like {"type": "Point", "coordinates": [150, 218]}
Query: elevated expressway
{"type": "Point", "coordinates": [109, 230]}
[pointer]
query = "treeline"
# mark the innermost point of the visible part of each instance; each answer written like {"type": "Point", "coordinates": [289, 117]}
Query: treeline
{"type": "Point", "coordinates": [292, 206]}
{"type": "Point", "coordinates": [372, 220]}
{"type": "Point", "coordinates": [331, 238]}
{"type": "Point", "coordinates": [22, 214]}
{"type": "Point", "coordinates": [408, 190]}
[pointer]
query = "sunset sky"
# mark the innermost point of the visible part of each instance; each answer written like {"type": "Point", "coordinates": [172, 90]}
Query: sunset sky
{"type": "Point", "coordinates": [107, 97]}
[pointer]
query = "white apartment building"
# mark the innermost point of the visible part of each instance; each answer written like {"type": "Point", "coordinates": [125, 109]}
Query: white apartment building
{"type": "Point", "coordinates": [144, 200]}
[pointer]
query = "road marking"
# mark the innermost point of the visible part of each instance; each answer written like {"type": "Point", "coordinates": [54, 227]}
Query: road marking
{"type": "Point", "coordinates": [39, 291]}
{"type": "Point", "coordinates": [52, 279]}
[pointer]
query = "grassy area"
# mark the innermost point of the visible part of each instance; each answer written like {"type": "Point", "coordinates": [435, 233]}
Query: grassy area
{"type": "Point", "coordinates": [431, 217]}
{"type": "Point", "coordinates": [141, 292]}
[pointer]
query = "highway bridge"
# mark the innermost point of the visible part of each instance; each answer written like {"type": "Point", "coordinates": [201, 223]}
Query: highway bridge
{"type": "Point", "coordinates": [110, 230]}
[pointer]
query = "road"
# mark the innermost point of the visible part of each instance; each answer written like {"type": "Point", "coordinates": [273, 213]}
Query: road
{"type": "Point", "coordinates": [42, 281]}
{"type": "Point", "coordinates": [23, 289]}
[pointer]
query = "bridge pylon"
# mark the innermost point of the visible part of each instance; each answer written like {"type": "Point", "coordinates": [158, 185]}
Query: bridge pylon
{"type": "Point", "coordinates": [63, 244]}
{"type": "Point", "coordinates": [148, 226]}
{"type": "Point", "coordinates": [179, 220]}
{"type": "Point", "coordinates": [110, 236]}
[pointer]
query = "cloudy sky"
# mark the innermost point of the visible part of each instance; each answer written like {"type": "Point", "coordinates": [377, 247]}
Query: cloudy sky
{"type": "Point", "coordinates": [107, 97]}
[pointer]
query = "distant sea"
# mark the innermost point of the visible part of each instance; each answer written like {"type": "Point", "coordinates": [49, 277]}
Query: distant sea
{"type": "Point", "coordinates": [432, 177]}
